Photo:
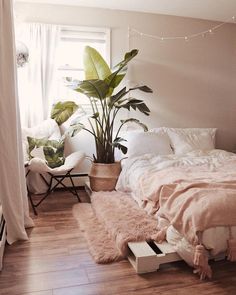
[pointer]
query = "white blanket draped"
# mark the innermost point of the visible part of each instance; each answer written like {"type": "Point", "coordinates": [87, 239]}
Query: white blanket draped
{"type": "Point", "coordinates": [13, 193]}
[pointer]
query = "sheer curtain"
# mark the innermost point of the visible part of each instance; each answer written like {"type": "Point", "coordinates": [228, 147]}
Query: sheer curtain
{"type": "Point", "coordinates": [36, 81]}
{"type": "Point", "coordinates": [13, 193]}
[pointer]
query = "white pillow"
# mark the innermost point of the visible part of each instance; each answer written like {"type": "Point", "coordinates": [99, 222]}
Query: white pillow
{"type": "Point", "coordinates": [140, 143]}
{"type": "Point", "coordinates": [185, 140]}
{"type": "Point", "coordinates": [48, 128]}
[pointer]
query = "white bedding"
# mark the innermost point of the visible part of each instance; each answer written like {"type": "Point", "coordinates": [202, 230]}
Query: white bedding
{"type": "Point", "coordinates": [135, 167]}
{"type": "Point", "coordinates": [214, 239]}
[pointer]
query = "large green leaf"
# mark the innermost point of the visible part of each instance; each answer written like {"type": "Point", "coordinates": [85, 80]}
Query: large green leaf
{"type": "Point", "coordinates": [127, 58]}
{"type": "Point", "coordinates": [92, 88]}
{"type": "Point", "coordinates": [116, 97]}
{"type": "Point", "coordinates": [61, 111]}
{"type": "Point", "coordinates": [114, 79]}
{"type": "Point", "coordinates": [95, 67]}
{"type": "Point", "coordinates": [135, 104]}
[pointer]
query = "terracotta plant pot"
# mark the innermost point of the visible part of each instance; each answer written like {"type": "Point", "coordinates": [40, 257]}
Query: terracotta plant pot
{"type": "Point", "coordinates": [103, 177]}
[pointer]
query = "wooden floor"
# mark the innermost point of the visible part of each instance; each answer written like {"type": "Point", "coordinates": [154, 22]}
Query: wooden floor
{"type": "Point", "coordinates": [56, 261]}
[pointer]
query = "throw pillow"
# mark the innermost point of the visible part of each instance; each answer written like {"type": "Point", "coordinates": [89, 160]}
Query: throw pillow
{"type": "Point", "coordinates": [52, 151]}
{"type": "Point", "coordinates": [140, 143]}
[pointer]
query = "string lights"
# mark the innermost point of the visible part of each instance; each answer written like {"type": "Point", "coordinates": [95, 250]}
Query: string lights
{"type": "Point", "coordinates": [132, 31]}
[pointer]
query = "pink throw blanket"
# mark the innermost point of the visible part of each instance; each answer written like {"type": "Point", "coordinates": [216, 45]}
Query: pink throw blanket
{"type": "Point", "coordinates": [193, 199]}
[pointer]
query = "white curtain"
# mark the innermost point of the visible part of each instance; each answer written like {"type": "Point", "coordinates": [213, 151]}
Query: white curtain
{"type": "Point", "coordinates": [13, 194]}
{"type": "Point", "coordinates": [37, 79]}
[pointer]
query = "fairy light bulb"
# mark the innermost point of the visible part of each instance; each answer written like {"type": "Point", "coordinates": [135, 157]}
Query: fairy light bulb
{"type": "Point", "coordinates": [203, 34]}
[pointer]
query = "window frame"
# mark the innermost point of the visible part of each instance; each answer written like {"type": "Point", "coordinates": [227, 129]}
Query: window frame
{"type": "Point", "coordinates": [107, 40]}
{"type": "Point", "coordinates": [73, 29]}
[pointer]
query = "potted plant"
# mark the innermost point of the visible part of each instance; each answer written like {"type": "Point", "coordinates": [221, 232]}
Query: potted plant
{"type": "Point", "coordinates": [99, 84]}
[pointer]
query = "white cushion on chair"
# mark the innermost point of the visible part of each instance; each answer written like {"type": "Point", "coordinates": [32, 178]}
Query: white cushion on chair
{"type": "Point", "coordinates": [71, 161]}
{"type": "Point", "coordinates": [48, 128]}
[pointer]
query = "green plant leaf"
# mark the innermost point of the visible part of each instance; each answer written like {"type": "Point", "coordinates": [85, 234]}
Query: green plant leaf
{"type": "Point", "coordinates": [92, 88]}
{"type": "Point", "coordinates": [136, 121]}
{"type": "Point", "coordinates": [62, 111]}
{"type": "Point", "coordinates": [143, 88]}
{"type": "Point", "coordinates": [127, 58]}
{"type": "Point", "coordinates": [95, 67]}
{"type": "Point", "coordinates": [95, 115]}
{"type": "Point", "coordinates": [74, 129]}
{"type": "Point", "coordinates": [115, 98]}
{"type": "Point", "coordinates": [116, 144]}
{"type": "Point", "coordinates": [135, 104]}
{"type": "Point", "coordinates": [114, 79]}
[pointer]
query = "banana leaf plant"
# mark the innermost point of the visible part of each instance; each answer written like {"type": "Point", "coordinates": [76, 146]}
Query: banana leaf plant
{"type": "Point", "coordinates": [99, 87]}
{"type": "Point", "coordinates": [63, 110]}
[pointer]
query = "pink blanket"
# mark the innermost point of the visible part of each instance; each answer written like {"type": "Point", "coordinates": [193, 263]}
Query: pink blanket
{"type": "Point", "coordinates": [193, 199]}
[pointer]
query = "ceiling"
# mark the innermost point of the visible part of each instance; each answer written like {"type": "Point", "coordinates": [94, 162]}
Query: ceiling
{"type": "Point", "coordinates": [220, 10]}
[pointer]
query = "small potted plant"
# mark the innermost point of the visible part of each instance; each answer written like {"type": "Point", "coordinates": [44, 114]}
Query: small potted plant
{"type": "Point", "coordinates": [99, 84]}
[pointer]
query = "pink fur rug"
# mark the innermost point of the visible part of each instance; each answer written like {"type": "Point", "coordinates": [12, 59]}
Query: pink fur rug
{"type": "Point", "coordinates": [111, 221]}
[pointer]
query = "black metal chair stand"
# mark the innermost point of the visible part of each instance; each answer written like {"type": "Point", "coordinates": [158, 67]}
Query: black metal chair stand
{"type": "Point", "coordinates": [59, 180]}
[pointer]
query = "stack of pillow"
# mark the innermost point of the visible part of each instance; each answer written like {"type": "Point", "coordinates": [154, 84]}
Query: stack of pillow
{"type": "Point", "coordinates": [164, 141]}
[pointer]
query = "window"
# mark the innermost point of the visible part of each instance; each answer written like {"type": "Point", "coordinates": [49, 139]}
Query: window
{"type": "Point", "coordinates": [70, 58]}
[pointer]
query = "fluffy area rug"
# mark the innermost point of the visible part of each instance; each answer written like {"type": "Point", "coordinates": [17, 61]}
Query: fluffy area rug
{"type": "Point", "coordinates": [111, 221]}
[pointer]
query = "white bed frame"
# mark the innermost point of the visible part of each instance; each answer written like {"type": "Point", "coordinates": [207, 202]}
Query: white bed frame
{"type": "Point", "coordinates": [145, 259]}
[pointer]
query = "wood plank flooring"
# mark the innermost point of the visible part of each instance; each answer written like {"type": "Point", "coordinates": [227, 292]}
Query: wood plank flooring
{"type": "Point", "coordinates": [56, 261]}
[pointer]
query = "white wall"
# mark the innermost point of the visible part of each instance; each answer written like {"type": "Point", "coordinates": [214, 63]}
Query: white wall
{"type": "Point", "coordinates": [193, 82]}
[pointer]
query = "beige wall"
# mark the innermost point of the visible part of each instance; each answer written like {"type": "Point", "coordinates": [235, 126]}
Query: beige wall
{"type": "Point", "coordinates": [194, 82]}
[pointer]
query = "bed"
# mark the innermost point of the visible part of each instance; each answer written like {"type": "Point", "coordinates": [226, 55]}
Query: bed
{"type": "Point", "coordinates": [184, 162]}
